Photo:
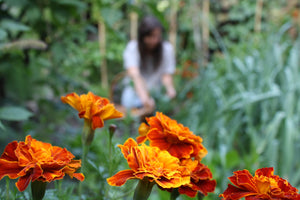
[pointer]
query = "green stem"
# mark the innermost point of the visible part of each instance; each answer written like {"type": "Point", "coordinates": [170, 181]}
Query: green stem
{"type": "Point", "coordinates": [38, 189]}
{"type": "Point", "coordinates": [174, 194]}
{"type": "Point", "coordinates": [110, 154]}
{"type": "Point", "coordinates": [7, 188]}
{"type": "Point", "coordinates": [143, 189]}
{"type": "Point", "coordinates": [58, 184]}
{"type": "Point", "coordinates": [85, 150]}
{"type": "Point", "coordinates": [200, 196]}
{"type": "Point", "coordinates": [111, 130]}
{"type": "Point", "coordinates": [87, 133]}
{"type": "Point", "coordinates": [87, 137]}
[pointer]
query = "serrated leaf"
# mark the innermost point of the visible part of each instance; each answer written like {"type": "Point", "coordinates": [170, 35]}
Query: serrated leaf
{"type": "Point", "coordinates": [13, 113]}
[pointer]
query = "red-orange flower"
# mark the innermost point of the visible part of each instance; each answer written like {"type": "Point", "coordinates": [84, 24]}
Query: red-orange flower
{"type": "Point", "coordinates": [264, 185]}
{"type": "Point", "coordinates": [93, 108]}
{"type": "Point", "coordinates": [33, 160]}
{"type": "Point", "coordinates": [152, 163]}
{"type": "Point", "coordinates": [200, 179]}
{"type": "Point", "coordinates": [168, 134]}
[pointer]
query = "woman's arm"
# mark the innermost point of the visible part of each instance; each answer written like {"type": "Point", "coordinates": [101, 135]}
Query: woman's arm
{"type": "Point", "coordinates": [167, 81]}
{"type": "Point", "coordinates": [140, 87]}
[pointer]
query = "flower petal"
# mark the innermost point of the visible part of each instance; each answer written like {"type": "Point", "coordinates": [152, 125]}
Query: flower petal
{"type": "Point", "coordinates": [187, 191]}
{"type": "Point", "coordinates": [23, 182]}
{"type": "Point", "coordinates": [120, 178]}
{"type": "Point", "coordinates": [109, 112]}
{"type": "Point", "coordinates": [73, 100]}
{"type": "Point", "coordinates": [9, 168]}
{"type": "Point", "coordinates": [97, 122]}
{"type": "Point", "coordinates": [9, 152]}
{"type": "Point", "coordinates": [268, 172]}
{"type": "Point", "coordinates": [79, 176]}
{"type": "Point", "coordinates": [181, 150]}
{"type": "Point", "coordinates": [234, 193]}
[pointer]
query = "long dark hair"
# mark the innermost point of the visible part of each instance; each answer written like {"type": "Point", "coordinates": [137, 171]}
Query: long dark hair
{"type": "Point", "coordinates": [146, 26]}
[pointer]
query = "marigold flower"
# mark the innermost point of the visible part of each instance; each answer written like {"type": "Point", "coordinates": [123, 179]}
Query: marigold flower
{"type": "Point", "coordinates": [264, 185]}
{"type": "Point", "coordinates": [150, 163]}
{"type": "Point", "coordinates": [200, 179]}
{"type": "Point", "coordinates": [33, 160]}
{"type": "Point", "coordinates": [168, 134]}
{"type": "Point", "coordinates": [93, 108]}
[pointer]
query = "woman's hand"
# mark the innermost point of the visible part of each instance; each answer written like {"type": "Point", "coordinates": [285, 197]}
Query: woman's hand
{"type": "Point", "coordinates": [140, 87]}
{"type": "Point", "coordinates": [149, 104]}
{"type": "Point", "coordinates": [171, 93]}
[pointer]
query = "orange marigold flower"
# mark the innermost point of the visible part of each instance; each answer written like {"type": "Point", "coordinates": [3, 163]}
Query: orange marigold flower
{"type": "Point", "coordinates": [200, 179]}
{"type": "Point", "coordinates": [33, 160]}
{"type": "Point", "coordinates": [264, 185]}
{"type": "Point", "coordinates": [93, 108]}
{"type": "Point", "coordinates": [152, 163]}
{"type": "Point", "coordinates": [168, 134]}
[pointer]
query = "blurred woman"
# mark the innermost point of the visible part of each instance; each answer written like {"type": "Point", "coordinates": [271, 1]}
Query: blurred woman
{"type": "Point", "coordinates": [150, 64]}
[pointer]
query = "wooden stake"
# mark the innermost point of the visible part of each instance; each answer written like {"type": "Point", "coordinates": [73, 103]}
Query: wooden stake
{"type": "Point", "coordinates": [205, 31]}
{"type": "Point", "coordinates": [133, 25]}
{"type": "Point", "coordinates": [102, 46]}
{"type": "Point", "coordinates": [258, 14]}
{"type": "Point", "coordinates": [173, 24]}
{"type": "Point", "coordinates": [195, 16]}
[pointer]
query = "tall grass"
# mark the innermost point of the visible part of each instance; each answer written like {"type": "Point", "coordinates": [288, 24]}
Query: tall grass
{"type": "Point", "coordinates": [247, 110]}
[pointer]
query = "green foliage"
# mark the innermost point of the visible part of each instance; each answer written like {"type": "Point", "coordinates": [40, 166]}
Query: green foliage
{"type": "Point", "coordinates": [244, 104]}
{"type": "Point", "coordinates": [12, 113]}
{"type": "Point", "coordinates": [246, 110]}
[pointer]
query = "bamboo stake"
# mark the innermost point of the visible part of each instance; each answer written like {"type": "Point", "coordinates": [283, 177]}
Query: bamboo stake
{"type": "Point", "coordinates": [258, 14]}
{"type": "Point", "coordinates": [205, 31]}
{"type": "Point", "coordinates": [173, 23]}
{"type": "Point", "coordinates": [133, 25]}
{"type": "Point", "coordinates": [195, 7]}
{"type": "Point", "coordinates": [102, 46]}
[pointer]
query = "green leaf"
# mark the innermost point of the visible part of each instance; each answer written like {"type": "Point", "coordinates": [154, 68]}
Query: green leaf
{"type": "Point", "coordinates": [111, 16]}
{"type": "Point", "coordinates": [16, 3]}
{"type": "Point", "coordinates": [13, 26]}
{"type": "Point", "coordinates": [2, 126]}
{"type": "Point", "coordinates": [13, 113]}
{"type": "Point", "coordinates": [3, 34]}
{"type": "Point", "coordinates": [75, 3]}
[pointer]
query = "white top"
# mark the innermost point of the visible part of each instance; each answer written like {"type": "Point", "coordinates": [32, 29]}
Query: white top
{"type": "Point", "coordinates": [152, 77]}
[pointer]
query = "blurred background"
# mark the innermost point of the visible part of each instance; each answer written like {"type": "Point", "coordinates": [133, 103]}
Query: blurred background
{"type": "Point", "coordinates": [237, 80]}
